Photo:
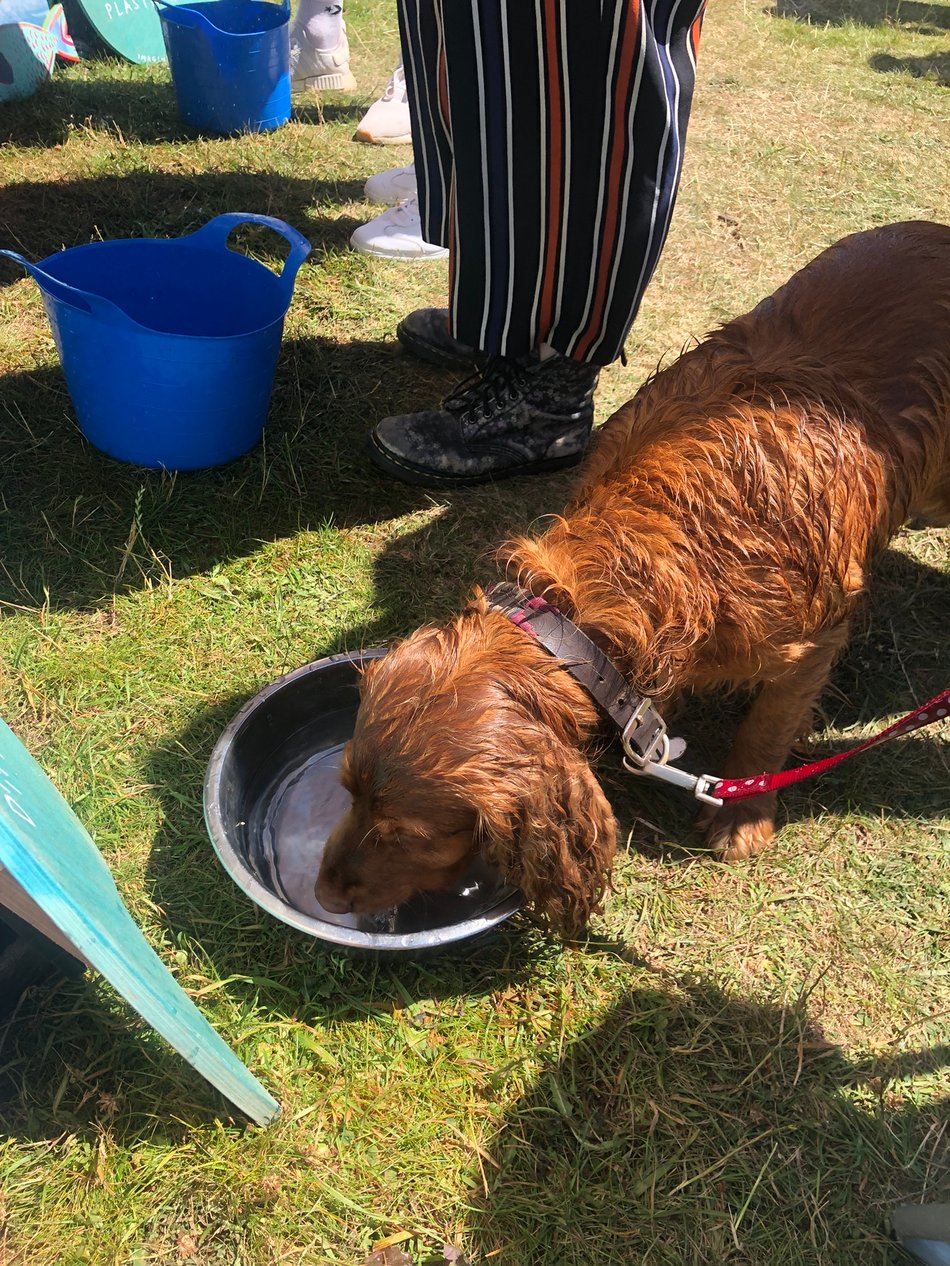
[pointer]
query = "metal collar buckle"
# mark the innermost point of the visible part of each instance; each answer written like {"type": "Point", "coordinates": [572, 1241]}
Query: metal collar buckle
{"type": "Point", "coordinates": [654, 762]}
{"type": "Point", "coordinates": [659, 749]}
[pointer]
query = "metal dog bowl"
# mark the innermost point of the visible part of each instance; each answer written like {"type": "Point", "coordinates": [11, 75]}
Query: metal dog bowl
{"type": "Point", "coordinates": [272, 796]}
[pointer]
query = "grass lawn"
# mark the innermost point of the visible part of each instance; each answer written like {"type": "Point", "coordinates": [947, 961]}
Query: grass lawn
{"type": "Point", "coordinates": [746, 1064]}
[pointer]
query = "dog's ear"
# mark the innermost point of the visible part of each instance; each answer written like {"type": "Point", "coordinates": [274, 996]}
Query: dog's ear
{"type": "Point", "coordinates": [554, 836]}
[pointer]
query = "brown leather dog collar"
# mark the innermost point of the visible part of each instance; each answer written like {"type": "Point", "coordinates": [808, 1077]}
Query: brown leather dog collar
{"type": "Point", "coordinates": [642, 729]}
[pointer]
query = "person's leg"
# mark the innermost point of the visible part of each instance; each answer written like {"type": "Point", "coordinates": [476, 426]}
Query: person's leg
{"type": "Point", "coordinates": [423, 58]}
{"type": "Point", "coordinates": [319, 51]}
{"type": "Point", "coordinates": [566, 130]}
{"type": "Point", "coordinates": [399, 233]}
{"type": "Point", "coordinates": [636, 174]}
{"type": "Point", "coordinates": [568, 144]}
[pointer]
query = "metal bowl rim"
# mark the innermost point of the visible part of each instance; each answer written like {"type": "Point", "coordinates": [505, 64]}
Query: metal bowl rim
{"type": "Point", "coordinates": [267, 900]}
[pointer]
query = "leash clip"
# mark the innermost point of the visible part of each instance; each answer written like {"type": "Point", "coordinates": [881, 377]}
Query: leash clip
{"type": "Point", "coordinates": [654, 762]}
{"type": "Point", "coordinates": [698, 784]}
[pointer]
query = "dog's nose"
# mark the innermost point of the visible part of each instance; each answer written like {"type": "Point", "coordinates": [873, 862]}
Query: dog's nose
{"type": "Point", "coordinates": [332, 898]}
{"type": "Point", "coordinates": [335, 905]}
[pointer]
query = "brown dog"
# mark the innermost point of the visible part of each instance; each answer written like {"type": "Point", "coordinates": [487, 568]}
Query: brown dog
{"type": "Point", "coordinates": [720, 536]}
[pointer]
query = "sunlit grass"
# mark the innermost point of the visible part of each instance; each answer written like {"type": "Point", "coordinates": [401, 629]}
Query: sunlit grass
{"type": "Point", "coordinates": [746, 1064]}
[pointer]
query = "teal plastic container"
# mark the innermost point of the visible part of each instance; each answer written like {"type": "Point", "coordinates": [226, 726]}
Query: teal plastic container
{"type": "Point", "coordinates": [169, 346]}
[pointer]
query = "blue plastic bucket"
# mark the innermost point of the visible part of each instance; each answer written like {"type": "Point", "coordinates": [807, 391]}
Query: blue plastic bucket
{"type": "Point", "coordinates": [169, 347]}
{"type": "Point", "coordinates": [230, 63]}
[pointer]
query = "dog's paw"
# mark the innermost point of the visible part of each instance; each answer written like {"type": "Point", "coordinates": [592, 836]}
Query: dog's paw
{"type": "Point", "coordinates": [740, 829]}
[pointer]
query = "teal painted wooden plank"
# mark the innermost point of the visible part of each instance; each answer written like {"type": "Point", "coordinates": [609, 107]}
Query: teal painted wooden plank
{"type": "Point", "coordinates": [131, 28]}
{"type": "Point", "coordinates": [51, 856]}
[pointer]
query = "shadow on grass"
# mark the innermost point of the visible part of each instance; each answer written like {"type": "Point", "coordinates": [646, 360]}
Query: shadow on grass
{"type": "Point", "coordinates": [75, 1058]}
{"type": "Point", "coordinates": [687, 1126]}
{"type": "Point", "coordinates": [909, 15]}
{"type": "Point", "coordinates": [935, 67]}
{"type": "Point", "coordinates": [40, 217]}
{"type": "Point", "coordinates": [320, 113]}
{"type": "Point", "coordinates": [70, 512]}
{"type": "Point", "coordinates": [140, 110]}
{"type": "Point", "coordinates": [695, 1127]}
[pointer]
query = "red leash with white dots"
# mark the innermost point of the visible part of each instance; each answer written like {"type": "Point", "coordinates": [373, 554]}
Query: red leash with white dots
{"type": "Point", "coordinates": [713, 790]}
{"type": "Point", "coordinates": [741, 788]}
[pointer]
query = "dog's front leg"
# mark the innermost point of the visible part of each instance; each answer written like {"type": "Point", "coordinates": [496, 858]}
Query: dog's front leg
{"type": "Point", "coordinates": [780, 713]}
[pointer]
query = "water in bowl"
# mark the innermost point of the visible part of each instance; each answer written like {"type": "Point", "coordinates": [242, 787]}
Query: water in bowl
{"type": "Point", "coordinates": [288, 828]}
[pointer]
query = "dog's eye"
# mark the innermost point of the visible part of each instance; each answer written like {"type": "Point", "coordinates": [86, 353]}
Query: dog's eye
{"type": "Point", "coordinates": [387, 836]}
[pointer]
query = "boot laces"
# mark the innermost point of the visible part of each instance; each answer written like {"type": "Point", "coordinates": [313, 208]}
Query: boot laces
{"type": "Point", "coordinates": [496, 385]}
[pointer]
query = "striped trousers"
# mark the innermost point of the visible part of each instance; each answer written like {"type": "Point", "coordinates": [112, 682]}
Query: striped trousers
{"type": "Point", "coordinates": [548, 140]}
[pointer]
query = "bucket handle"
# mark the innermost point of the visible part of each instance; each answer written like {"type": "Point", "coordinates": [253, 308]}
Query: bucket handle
{"type": "Point", "coordinates": [217, 231]}
{"type": "Point", "coordinates": [186, 16]}
{"type": "Point", "coordinates": [96, 305]}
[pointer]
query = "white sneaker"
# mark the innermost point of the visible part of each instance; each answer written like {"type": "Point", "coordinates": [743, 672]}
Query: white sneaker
{"type": "Point", "coordinates": [386, 122]}
{"type": "Point", "coordinates": [390, 187]}
{"type": "Point", "coordinates": [320, 69]}
{"type": "Point", "coordinates": [396, 234]}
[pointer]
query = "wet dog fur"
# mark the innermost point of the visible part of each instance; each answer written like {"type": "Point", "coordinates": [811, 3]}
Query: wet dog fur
{"type": "Point", "coordinates": [720, 536]}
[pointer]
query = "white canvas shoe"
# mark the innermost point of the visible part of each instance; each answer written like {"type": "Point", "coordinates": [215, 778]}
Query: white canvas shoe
{"type": "Point", "coordinates": [396, 234]}
{"type": "Point", "coordinates": [386, 122]}
{"type": "Point", "coordinates": [390, 187]}
{"type": "Point", "coordinates": [320, 69]}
